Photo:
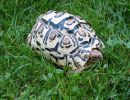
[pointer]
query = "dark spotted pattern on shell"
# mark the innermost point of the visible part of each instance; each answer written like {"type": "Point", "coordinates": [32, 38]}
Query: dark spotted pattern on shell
{"type": "Point", "coordinates": [64, 38]}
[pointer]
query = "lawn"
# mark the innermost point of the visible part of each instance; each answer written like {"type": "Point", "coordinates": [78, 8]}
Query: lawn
{"type": "Point", "coordinates": [26, 75]}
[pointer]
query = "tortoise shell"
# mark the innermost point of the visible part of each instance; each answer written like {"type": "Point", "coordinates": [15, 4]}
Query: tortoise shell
{"type": "Point", "coordinates": [64, 38]}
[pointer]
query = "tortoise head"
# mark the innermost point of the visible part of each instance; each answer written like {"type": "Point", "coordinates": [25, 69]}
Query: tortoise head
{"type": "Point", "coordinates": [95, 55]}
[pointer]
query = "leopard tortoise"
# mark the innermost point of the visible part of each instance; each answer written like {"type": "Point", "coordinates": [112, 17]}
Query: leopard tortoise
{"type": "Point", "coordinates": [66, 39]}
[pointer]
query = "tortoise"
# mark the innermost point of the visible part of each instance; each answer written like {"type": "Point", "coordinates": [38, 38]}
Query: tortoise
{"type": "Point", "coordinates": [66, 40]}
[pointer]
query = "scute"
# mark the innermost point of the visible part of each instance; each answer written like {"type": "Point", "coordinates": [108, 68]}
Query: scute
{"type": "Point", "coordinates": [66, 39]}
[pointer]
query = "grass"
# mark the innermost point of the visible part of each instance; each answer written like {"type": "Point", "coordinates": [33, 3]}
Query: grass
{"type": "Point", "coordinates": [26, 75]}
